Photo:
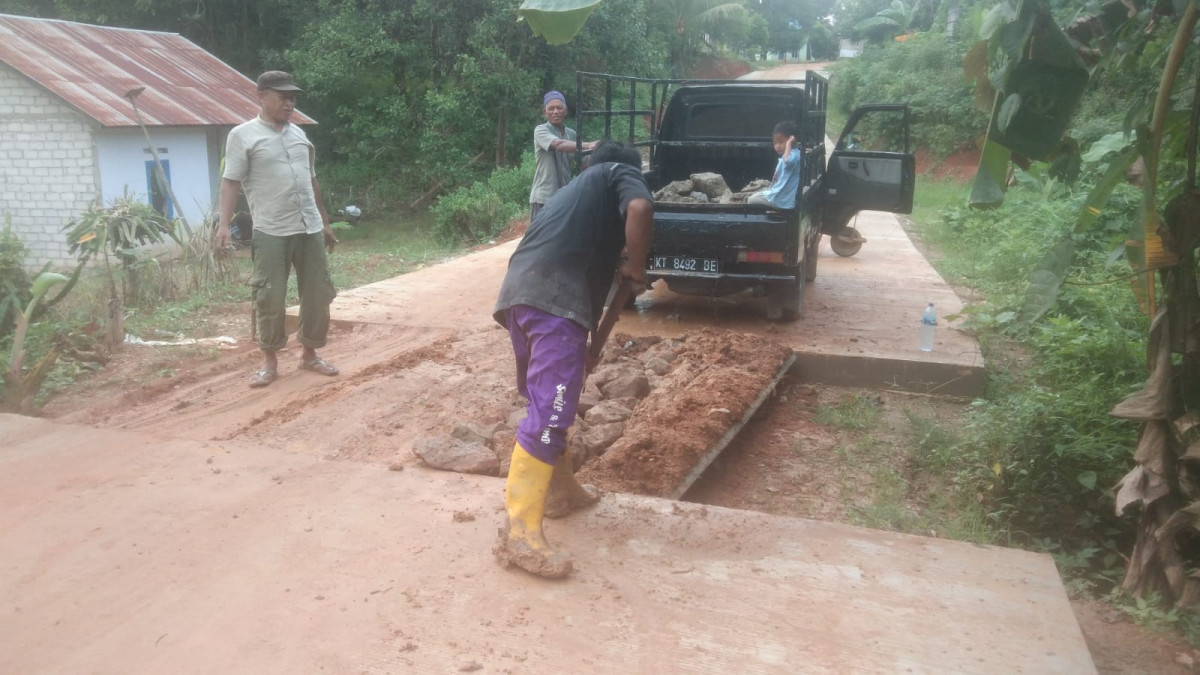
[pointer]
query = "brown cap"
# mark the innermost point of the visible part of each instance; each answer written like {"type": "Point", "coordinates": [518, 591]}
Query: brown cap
{"type": "Point", "coordinates": [277, 80]}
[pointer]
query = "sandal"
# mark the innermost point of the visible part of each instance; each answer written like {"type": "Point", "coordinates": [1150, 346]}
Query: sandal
{"type": "Point", "coordinates": [319, 365]}
{"type": "Point", "coordinates": [263, 377]}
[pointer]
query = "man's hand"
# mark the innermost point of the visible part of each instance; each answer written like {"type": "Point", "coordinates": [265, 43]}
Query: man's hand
{"type": "Point", "coordinates": [224, 238]}
{"type": "Point", "coordinates": [330, 239]}
{"type": "Point", "coordinates": [590, 145]}
{"type": "Point", "coordinates": [632, 273]}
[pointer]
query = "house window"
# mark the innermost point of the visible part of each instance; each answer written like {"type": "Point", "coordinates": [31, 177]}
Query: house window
{"type": "Point", "coordinates": [156, 193]}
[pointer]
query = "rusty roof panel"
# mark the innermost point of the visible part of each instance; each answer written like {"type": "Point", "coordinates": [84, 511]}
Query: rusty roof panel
{"type": "Point", "coordinates": [91, 68]}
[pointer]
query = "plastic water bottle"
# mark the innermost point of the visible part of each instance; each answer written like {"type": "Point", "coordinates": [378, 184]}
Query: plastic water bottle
{"type": "Point", "coordinates": [928, 326]}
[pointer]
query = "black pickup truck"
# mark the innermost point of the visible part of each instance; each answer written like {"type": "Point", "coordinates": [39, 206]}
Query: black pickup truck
{"type": "Point", "coordinates": [724, 127]}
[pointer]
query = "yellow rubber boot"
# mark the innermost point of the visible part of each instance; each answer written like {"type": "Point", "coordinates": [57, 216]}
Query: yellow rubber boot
{"type": "Point", "coordinates": [566, 495]}
{"type": "Point", "coordinates": [522, 543]}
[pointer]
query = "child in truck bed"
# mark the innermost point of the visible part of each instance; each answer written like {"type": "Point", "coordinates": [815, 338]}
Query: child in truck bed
{"type": "Point", "coordinates": [782, 193]}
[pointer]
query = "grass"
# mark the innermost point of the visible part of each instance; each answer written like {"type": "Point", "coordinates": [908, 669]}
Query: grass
{"type": "Point", "coordinates": [373, 251]}
{"type": "Point", "coordinates": [897, 470]}
{"type": "Point", "coordinates": [855, 412]}
{"type": "Point", "coordinates": [933, 198]}
{"type": "Point", "coordinates": [369, 252]}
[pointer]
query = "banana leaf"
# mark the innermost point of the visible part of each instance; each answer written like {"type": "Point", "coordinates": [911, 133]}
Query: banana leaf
{"type": "Point", "coordinates": [558, 21]}
{"type": "Point", "coordinates": [988, 188]}
{"type": "Point", "coordinates": [1037, 92]}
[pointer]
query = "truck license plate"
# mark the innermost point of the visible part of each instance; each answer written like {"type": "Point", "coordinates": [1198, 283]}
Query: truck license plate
{"type": "Point", "coordinates": [684, 264]}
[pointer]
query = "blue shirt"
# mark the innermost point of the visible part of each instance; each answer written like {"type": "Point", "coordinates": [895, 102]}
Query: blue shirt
{"type": "Point", "coordinates": [782, 192]}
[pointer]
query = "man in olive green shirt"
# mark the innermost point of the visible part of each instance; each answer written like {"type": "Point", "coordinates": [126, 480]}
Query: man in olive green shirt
{"type": "Point", "coordinates": [272, 160]}
{"type": "Point", "coordinates": [553, 145]}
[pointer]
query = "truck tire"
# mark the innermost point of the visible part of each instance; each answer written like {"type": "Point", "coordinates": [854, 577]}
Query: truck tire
{"type": "Point", "coordinates": [785, 301]}
{"type": "Point", "coordinates": [810, 258]}
{"type": "Point", "coordinates": [847, 242]}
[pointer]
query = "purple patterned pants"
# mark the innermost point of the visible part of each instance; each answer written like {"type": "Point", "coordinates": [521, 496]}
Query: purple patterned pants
{"type": "Point", "coordinates": [550, 370]}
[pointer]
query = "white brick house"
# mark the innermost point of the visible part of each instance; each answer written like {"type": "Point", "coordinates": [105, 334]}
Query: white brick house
{"type": "Point", "coordinates": [69, 137]}
{"type": "Point", "coordinates": [48, 172]}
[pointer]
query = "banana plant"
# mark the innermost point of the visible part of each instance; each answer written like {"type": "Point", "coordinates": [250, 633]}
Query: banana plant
{"type": "Point", "coordinates": [119, 230]}
{"type": "Point", "coordinates": [21, 387]}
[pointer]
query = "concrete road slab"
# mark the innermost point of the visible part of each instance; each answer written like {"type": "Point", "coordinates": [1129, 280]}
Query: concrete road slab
{"type": "Point", "coordinates": [134, 553]}
{"type": "Point", "coordinates": [859, 326]}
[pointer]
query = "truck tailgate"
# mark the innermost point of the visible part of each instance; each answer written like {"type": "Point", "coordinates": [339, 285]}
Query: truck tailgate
{"type": "Point", "coordinates": [722, 231]}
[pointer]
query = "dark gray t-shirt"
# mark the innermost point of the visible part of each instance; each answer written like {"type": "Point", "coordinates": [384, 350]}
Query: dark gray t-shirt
{"type": "Point", "coordinates": [564, 266]}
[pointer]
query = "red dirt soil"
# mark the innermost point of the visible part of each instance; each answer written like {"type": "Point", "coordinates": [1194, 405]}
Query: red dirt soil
{"type": "Point", "coordinates": [960, 165]}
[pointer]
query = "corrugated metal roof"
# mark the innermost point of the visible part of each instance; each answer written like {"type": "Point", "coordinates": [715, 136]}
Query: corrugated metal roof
{"type": "Point", "coordinates": [91, 68]}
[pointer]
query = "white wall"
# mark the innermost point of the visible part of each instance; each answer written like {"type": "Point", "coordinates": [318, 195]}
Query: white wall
{"type": "Point", "coordinates": [47, 166]}
{"type": "Point", "coordinates": [122, 158]}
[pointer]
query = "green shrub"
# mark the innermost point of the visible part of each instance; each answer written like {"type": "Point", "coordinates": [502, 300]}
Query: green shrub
{"type": "Point", "coordinates": [926, 73]}
{"type": "Point", "coordinates": [14, 282]}
{"type": "Point", "coordinates": [481, 210]}
{"type": "Point", "coordinates": [512, 184]}
{"type": "Point", "coordinates": [472, 214]}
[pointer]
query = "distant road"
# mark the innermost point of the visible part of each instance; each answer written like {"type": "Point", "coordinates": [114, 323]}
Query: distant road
{"type": "Point", "coordinates": [791, 71]}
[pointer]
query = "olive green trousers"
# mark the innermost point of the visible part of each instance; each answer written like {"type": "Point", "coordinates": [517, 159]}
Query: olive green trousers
{"type": "Point", "coordinates": [274, 258]}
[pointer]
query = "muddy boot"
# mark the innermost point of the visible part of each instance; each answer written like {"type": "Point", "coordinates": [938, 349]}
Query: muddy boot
{"type": "Point", "coordinates": [566, 495]}
{"type": "Point", "coordinates": [522, 543]}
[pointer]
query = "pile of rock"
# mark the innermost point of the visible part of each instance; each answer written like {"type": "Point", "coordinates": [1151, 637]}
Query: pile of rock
{"type": "Point", "coordinates": [753, 186]}
{"type": "Point", "coordinates": [609, 398]}
{"type": "Point", "coordinates": [706, 188]}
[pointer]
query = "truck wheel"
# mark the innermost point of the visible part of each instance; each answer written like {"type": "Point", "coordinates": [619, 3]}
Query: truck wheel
{"type": "Point", "coordinates": [810, 258]}
{"type": "Point", "coordinates": [847, 242]}
{"type": "Point", "coordinates": [785, 302]}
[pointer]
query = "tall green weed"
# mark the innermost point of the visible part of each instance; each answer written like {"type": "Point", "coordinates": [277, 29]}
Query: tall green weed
{"type": "Point", "coordinates": [1040, 448]}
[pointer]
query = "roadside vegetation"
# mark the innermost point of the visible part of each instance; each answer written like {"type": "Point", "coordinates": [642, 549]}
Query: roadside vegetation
{"type": "Point", "coordinates": [1057, 295]}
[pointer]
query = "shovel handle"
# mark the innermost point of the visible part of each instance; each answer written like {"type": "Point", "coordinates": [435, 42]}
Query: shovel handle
{"type": "Point", "coordinates": [600, 335]}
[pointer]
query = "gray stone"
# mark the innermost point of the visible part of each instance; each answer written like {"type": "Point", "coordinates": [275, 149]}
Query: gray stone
{"type": "Point", "coordinates": [474, 433]}
{"type": "Point", "coordinates": [606, 413]}
{"type": "Point", "coordinates": [711, 184]}
{"type": "Point", "coordinates": [515, 417]}
{"type": "Point", "coordinates": [502, 441]}
{"type": "Point", "coordinates": [630, 402]}
{"type": "Point", "coordinates": [600, 437]}
{"type": "Point", "coordinates": [613, 371]}
{"type": "Point", "coordinates": [672, 198]}
{"type": "Point", "coordinates": [679, 187]}
{"type": "Point", "coordinates": [699, 197]}
{"type": "Point", "coordinates": [636, 385]}
{"type": "Point", "coordinates": [665, 350]}
{"type": "Point", "coordinates": [589, 398]}
{"type": "Point", "coordinates": [451, 454]}
{"type": "Point", "coordinates": [658, 366]}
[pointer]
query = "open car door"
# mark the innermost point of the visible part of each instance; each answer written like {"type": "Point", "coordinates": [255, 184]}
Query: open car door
{"type": "Point", "coordinates": [871, 167]}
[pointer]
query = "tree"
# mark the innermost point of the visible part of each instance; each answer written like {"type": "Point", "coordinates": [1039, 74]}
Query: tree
{"type": "Point", "coordinates": [688, 22]}
{"type": "Point", "coordinates": [888, 22]}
